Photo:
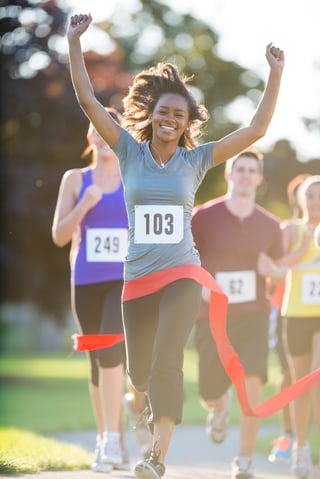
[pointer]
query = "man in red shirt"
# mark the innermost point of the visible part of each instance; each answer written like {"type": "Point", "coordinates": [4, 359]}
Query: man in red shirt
{"type": "Point", "coordinates": [239, 243]}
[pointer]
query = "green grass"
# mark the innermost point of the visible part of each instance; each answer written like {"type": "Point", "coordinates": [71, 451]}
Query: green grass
{"type": "Point", "coordinates": [50, 394]}
{"type": "Point", "coordinates": [46, 395]}
{"type": "Point", "coordinates": [23, 452]}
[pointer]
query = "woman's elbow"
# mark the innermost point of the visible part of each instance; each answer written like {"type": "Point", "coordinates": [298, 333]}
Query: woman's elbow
{"type": "Point", "coordinates": [58, 240]}
{"type": "Point", "coordinates": [259, 129]}
{"type": "Point", "coordinates": [260, 135]}
{"type": "Point", "coordinates": [86, 102]}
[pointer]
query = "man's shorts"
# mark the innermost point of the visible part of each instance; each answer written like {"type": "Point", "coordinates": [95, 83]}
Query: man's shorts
{"type": "Point", "coordinates": [249, 336]}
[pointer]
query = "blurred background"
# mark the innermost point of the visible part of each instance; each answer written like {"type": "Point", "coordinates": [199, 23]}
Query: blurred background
{"type": "Point", "coordinates": [43, 129]}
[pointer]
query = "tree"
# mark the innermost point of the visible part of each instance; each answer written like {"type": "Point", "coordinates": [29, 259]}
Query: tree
{"type": "Point", "coordinates": [43, 131]}
{"type": "Point", "coordinates": [43, 128]}
{"type": "Point", "coordinates": [155, 32]}
{"type": "Point", "coordinates": [283, 160]}
{"type": "Point", "coordinates": [34, 90]}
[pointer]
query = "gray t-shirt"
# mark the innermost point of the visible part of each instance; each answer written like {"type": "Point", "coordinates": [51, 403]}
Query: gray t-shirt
{"type": "Point", "coordinates": [159, 204]}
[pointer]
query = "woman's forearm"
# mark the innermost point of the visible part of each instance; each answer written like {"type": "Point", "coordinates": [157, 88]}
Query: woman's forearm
{"type": "Point", "coordinates": [79, 75]}
{"type": "Point", "coordinates": [265, 110]}
{"type": "Point", "coordinates": [63, 229]}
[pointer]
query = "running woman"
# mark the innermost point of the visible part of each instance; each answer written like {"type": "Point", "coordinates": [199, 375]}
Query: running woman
{"type": "Point", "coordinates": [162, 166]}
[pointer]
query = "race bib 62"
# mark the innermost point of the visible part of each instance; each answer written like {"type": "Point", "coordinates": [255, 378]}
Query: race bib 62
{"type": "Point", "coordinates": [239, 286]}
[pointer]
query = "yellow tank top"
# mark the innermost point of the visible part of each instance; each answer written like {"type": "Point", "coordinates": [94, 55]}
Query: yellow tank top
{"type": "Point", "coordinates": [302, 289]}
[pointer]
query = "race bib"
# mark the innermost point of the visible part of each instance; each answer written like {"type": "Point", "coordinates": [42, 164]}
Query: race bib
{"type": "Point", "coordinates": [106, 244]}
{"type": "Point", "coordinates": [158, 224]}
{"type": "Point", "coordinates": [310, 293]}
{"type": "Point", "coordinates": [239, 286]}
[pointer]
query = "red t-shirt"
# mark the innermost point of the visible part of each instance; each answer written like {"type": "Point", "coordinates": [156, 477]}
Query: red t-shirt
{"type": "Point", "coordinates": [229, 247]}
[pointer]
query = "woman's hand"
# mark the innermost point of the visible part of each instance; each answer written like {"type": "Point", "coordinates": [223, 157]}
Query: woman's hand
{"type": "Point", "coordinates": [265, 264]}
{"type": "Point", "coordinates": [78, 25]}
{"type": "Point", "coordinates": [275, 57]}
{"type": "Point", "coordinates": [268, 268]}
{"type": "Point", "coordinates": [92, 196]}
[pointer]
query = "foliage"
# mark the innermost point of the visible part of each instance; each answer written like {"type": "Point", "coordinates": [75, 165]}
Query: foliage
{"type": "Point", "coordinates": [158, 33]}
{"type": "Point", "coordinates": [43, 133]}
{"type": "Point", "coordinates": [280, 166]}
{"type": "Point", "coordinates": [43, 129]}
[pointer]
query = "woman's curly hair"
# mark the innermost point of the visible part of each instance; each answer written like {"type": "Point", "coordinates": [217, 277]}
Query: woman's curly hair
{"type": "Point", "coordinates": [148, 86]}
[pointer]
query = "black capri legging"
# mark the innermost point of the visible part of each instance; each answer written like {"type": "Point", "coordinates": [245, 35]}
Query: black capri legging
{"type": "Point", "coordinates": [97, 309]}
{"type": "Point", "coordinates": [157, 327]}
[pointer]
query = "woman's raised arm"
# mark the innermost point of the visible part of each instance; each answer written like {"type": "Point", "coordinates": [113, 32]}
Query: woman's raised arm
{"type": "Point", "coordinates": [94, 110]}
{"type": "Point", "coordinates": [239, 140]}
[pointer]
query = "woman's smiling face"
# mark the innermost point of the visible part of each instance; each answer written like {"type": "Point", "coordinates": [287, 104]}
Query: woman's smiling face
{"type": "Point", "coordinates": [170, 117]}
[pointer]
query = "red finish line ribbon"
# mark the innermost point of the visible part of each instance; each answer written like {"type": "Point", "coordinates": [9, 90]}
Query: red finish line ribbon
{"type": "Point", "coordinates": [88, 342]}
{"type": "Point", "coordinates": [218, 319]}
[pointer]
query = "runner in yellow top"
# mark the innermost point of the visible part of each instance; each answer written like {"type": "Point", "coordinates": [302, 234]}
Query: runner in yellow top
{"type": "Point", "coordinates": [302, 292]}
{"type": "Point", "coordinates": [301, 307]}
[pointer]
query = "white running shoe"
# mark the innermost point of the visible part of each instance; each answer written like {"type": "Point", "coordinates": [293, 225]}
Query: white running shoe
{"type": "Point", "coordinates": [241, 468]}
{"type": "Point", "coordinates": [301, 461]}
{"type": "Point", "coordinates": [97, 465]}
{"type": "Point", "coordinates": [218, 421]}
{"type": "Point", "coordinates": [146, 469]}
{"type": "Point", "coordinates": [125, 465]}
{"type": "Point", "coordinates": [111, 452]}
{"type": "Point", "coordinates": [138, 422]}
{"type": "Point", "coordinates": [150, 468]}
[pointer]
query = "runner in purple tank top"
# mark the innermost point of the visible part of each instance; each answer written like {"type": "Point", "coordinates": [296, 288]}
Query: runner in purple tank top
{"type": "Point", "coordinates": [91, 213]}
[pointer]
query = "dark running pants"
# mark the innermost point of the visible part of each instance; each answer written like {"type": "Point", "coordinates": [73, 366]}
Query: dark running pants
{"type": "Point", "coordinates": [157, 327]}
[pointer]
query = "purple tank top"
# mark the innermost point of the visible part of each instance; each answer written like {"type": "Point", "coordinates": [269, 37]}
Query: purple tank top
{"type": "Point", "coordinates": [103, 238]}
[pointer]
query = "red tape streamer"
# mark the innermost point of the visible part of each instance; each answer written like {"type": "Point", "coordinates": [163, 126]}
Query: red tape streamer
{"type": "Point", "coordinates": [88, 342]}
{"type": "Point", "coordinates": [218, 317]}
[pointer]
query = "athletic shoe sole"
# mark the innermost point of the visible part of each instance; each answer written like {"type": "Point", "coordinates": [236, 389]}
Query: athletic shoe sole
{"type": "Point", "coordinates": [146, 471]}
{"type": "Point", "coordinates": [99, 467]}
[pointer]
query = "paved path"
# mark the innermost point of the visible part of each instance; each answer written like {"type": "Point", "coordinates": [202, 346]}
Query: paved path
{"type": "Point", "coordinates": [191, 456]}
